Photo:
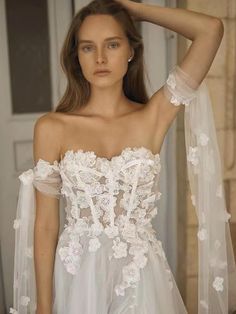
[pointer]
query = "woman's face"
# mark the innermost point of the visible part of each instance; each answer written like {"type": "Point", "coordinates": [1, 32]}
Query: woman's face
{"type": "Point", "coordinates": [103, 45]}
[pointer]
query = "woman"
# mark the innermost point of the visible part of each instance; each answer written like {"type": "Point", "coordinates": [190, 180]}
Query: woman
{"type": "Point", "coordinates": [100, 149]}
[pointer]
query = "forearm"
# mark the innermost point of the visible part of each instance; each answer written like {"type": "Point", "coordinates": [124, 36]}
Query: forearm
{"type": "Point", "coordinates": [188, 23]}
{"type": "Point", "coordinates": [45, 242]}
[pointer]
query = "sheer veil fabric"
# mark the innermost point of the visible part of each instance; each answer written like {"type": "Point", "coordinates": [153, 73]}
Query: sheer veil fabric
{"type": "Point", "coordinates": [217, 271]}
{"type": "Point", "coordinates": [216, 264]}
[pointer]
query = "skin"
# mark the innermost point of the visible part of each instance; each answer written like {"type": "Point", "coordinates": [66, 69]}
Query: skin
{"type": "Point", "coordinates": [110, 121]}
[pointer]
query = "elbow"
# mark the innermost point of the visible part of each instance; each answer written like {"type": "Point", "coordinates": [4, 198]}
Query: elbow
{"type": "Point", "coordinates": [217, 27]}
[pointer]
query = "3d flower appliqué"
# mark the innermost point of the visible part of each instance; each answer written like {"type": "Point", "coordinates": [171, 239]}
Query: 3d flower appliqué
{"type": "Point", "coordinates": [111, 231]}
{"type": "Point", "coordinates": [131, 273]}
{"type": "Point", "coordinates": [16, 223]}
{"type": "Point", "coordinates": [43, 169]}
{"type": "Point", "coordinates": [29, 252]}
{"type": "Point", "coordinates": [218, 284]}
{"type": "Point", "coordinates": [94, 244]}
{"type": "Point", "coordinates": [120, 248]}
{"type": "Point", "coordinates": [217, 244]}
{"type": "Point", "coordinates": [202, 234]}
{"type": "Point", "coordinates": [203, 139]}
{"type": "Point", "coordinates": [192, 155]}
{"type": "Point", "coordinates": [24, 300]}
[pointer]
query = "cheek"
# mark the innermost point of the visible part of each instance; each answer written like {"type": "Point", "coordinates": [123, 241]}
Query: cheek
{"type": "Point", "coordinates": [119, 64]}
{"type": "Point", "coordinates": [86, 65]}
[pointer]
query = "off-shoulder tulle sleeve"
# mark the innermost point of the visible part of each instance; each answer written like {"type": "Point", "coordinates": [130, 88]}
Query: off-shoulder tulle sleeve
{"type": "Point", "coordinates": [216, 266]}
{"type": "Point", "coordinates": [44, 177]}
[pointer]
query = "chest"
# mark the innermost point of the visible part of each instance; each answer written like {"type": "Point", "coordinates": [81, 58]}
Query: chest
{"type": "Point", "coordinates": [107, 139]}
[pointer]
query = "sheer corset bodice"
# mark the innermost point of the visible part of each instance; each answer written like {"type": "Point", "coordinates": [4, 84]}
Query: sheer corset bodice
{"type": "Point", "coordinates": [100, 190]}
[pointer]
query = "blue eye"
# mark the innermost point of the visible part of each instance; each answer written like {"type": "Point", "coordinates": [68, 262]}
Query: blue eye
{"type": "Point", "coordinates": [85, 48]}
{"type": "Point", "coordinates": [89, 48]}
{"type": "Point", "coordinates": [114, 44]}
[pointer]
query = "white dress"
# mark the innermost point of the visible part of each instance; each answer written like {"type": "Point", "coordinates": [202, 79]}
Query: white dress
{"type": "Point", "coordinates": [108, 258]}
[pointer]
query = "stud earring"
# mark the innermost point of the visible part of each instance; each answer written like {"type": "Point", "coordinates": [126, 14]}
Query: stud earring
{"type": "Point", "coordinates": [129, 59]}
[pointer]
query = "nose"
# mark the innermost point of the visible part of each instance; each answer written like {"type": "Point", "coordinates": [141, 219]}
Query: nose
{"type": "Point", "coordinates": [101, 57]}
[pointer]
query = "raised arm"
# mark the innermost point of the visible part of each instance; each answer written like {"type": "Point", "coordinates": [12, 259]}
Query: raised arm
{"type": "Point", "coordinates": [203, 30]}
{"type": "Point", "coordinates": [46, 228]}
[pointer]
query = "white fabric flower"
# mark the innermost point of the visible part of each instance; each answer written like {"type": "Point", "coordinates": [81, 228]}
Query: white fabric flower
{"type": "Point", "coordinates": [16, 223]}
{"type": "Point", "coordinates": [217, 244]}
{"type": "Point", "coordinates": [24, 300]}
{"type": "Point", "coordinates": [111, 231]}
{"type": "Point", "coordinates": [175, 101]}
{"type": "Point", "coordinates": [70, 255]}
{"type": "Point", "coordinates": [29, 252]}
{"type": "Point", "coordinates": [94, 244]}
{"type": "Point", "coordinates": [120, 290]}
{"type": "Point", "coordinates": [119, 248]}
{"type": "Point", "coordinates": [96, 229]}
{"type": "Point", "coordinates": [129, 230]}
{"type": "Point", "coordinates": [43, 169]}
{"type": "Point", "coordinates": [13, 311]}
{"type": "Point", "coordinates": [192, 155]}
{"type": "Point", "coordinates": [202, 234]}
{"type": "Point", "coordinates": [203, 139]}
{"type": "Point", "coordinates": [131, 273]}
{"type": "Point", "coordinates": [218, 284]}
{"type": "Point", "coordinates": [171, 81]}
{"type": "Point", "coordinates": [140, 260]}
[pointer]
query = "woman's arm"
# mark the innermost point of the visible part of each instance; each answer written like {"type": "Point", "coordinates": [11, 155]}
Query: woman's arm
{"type": "Point", "coordinates": [46, 227]}
{"type": "Point", "coordinates": [203, 30]}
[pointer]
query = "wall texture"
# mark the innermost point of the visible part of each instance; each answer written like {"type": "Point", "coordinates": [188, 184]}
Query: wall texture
{"type": "Point", "coordinates": [221, 81]}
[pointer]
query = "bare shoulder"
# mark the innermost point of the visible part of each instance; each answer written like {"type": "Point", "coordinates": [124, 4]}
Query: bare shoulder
{"type": "Point", "coordinates": [48, 131]}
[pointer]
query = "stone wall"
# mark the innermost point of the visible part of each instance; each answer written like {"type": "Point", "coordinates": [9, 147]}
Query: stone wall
{"type": "Point", "coordinates": [221, 81]}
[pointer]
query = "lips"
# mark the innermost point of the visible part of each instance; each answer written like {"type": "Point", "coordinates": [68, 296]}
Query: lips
{"type": "Point", "coordinates": [102, 71]}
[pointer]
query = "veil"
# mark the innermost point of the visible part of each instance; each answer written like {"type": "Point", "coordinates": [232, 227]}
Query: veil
{"type": "Point", "coordinates": [216, 264]}
{"type": "Point", "coordinates": [44, 177]}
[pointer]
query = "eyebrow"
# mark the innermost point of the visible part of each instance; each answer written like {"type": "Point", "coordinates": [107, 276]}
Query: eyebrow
{"type": "Point", "coordinates": [81, 41]}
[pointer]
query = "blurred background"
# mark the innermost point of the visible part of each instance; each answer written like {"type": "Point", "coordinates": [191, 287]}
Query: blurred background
{"type": "Point", "coordinates": [32, 82]}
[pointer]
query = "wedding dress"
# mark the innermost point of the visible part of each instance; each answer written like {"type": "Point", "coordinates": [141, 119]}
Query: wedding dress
{"type": "Point", "coordinates": [108, 258]}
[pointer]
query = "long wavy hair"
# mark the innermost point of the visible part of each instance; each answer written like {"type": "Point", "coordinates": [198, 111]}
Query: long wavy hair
{"type": "Point", "coordinates": [78, 91]}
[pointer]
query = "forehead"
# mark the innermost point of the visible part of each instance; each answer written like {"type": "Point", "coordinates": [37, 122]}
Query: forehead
{"type": "Point", "coordinates": [100, 26]}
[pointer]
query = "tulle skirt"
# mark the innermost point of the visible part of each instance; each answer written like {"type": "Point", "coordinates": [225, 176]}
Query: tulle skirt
{"type": "Point", "coordinates": [92, 289]}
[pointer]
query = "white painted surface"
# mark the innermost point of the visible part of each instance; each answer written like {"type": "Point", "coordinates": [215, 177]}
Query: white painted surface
{"type": "Point", "coordinates": [16, 132]}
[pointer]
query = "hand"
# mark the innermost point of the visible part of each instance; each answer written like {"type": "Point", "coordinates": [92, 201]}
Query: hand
{"type": "Point", "coordinates": [133, 8]}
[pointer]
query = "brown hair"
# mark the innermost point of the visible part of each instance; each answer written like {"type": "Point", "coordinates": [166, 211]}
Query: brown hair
{"type": "Point", "coordinates": [77, 92]}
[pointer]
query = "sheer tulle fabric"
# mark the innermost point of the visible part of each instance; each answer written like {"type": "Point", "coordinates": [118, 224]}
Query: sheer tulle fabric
{"type": "Point", "coordinates": [217, 272]}
{"type": "Point", "coordinates": [92, 289]}
{"type": "Point", "coordinates": [46, 178]}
